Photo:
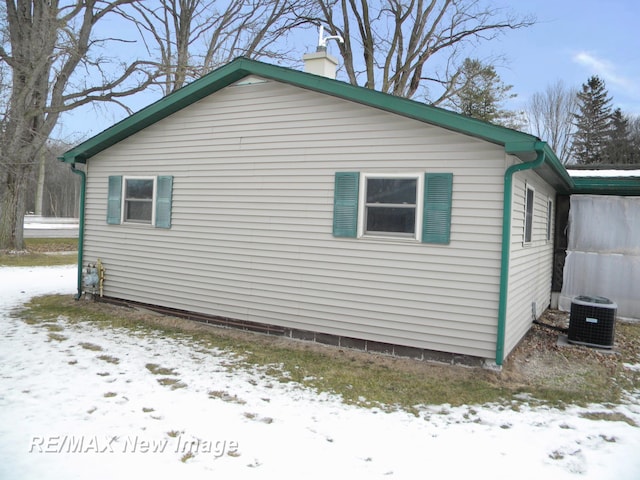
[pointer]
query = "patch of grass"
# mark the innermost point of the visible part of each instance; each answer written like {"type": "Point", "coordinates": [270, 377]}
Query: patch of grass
{"type": "Point", "coordinates": [109, 359]}
{"type": "Point", "coordinates": [254, 416]}
{"type": "Point", "coordinates": [110, 394]}
{"type": "Point", "coordinates": [53, 336]}
{"type": "Point", "coordinates": [186, 457]}
{"type": "Point", "coordinates": [556, 455]}
{"type": "Point", "coordinates": [226, 397]}
{"type": "Point", "coordinates": [51, 244]}
{"type": "Point", "coordinates": [173, 433]}
{"type": "Point", "coordinates": [609, 417]}
{"type": "Point", "coordinates": [90, 346]}
{"type": "Point", "coordinates": [369, 380]}
{"type": "Point", "coordinates": [174, 383]}
{"type": "Point", "coordinates": [36, 260]}
{"type": "Point", "coordinates": [158, 370]}
{"type": "Point", "coordinates": [148, 410]}
{"type": "Point", "coordinates": [37, 250]}
{"type": "Point", "coordinates": [53, 327]}
{"type": "Point", "coordinates": [566, 376]}
{"type": "Point", "coordinates": [41, 310]}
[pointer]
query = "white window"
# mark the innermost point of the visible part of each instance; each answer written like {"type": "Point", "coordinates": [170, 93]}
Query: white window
{"type": "Point", "coordinates": [409, 206]}
{"type": "Point", "coordinates": [141, 200]}
{"type": "Point", "coordinates": [138, 204]}
{"type": "Point", "coordinates": [390, 205]}
{"type": "Point", "coordinates": [528, 214]}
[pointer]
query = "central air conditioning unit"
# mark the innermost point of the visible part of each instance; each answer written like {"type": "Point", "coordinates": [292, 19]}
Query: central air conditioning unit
{"type": "Point", "coordinates": [592, 321]}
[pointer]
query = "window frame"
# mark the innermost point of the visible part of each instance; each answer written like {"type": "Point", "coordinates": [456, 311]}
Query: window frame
{"type": "Point", "coordinates": [549, 220]}
{"type": "Point", "coordinates": [528, 188]}
{"type": "Point", "coordinates": [419, 205]}
{"type": "Point", "coordinates": [153, 200]}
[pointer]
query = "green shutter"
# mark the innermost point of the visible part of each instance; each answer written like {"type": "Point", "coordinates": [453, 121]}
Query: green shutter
{"type": "Point", "coordinates": [164, 189]}
{"type": "Point", "coordinates": [436, 225]}
{"type": "Point", "coordinates": [114, 200]}
{"type": "Point", "coordinates": [345, 204]}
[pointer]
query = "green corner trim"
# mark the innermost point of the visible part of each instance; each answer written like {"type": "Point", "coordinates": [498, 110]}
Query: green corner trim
{"type": "Point", "coordinates": [83, 185]}
{"type": "Point", "coordinates": [539, 160]}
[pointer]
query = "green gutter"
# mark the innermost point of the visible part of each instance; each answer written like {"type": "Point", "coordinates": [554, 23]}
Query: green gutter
{"type": "Point", "coordinates": [538, 148]}
{"type": "Point", "coordinates": [624, 186]}
{"type": "Point", "coordinates": [83, 184]}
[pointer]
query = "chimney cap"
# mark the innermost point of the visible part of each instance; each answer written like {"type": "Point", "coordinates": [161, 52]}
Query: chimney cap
{"type": "Point", "coordinates": [322, 40]}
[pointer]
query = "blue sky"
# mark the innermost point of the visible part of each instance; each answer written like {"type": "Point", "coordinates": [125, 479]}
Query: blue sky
{"type": "Point", "coordinates": [572, 40]}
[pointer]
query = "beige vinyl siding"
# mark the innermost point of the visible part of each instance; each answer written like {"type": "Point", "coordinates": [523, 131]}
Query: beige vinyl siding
{"type": "Point", "coordinates": [251, 233]}
{"type": "Point", "coordinates": [531, 264]}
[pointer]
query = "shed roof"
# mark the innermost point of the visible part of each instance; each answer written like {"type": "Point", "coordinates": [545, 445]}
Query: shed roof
{"type": "Point", "coordinates": [518, 143]}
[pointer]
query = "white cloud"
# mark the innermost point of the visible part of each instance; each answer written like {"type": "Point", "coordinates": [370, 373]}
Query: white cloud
{"type": "Point", "coordinates": [606, 70]}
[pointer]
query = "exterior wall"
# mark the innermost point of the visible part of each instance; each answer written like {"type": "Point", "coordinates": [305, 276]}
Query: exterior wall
{"type": "Point", "coordinates": [531, 264]}
{"type": "Point", "coordinates": [251, 238]}
{"type": "Point", "coordinates": [603, 252]}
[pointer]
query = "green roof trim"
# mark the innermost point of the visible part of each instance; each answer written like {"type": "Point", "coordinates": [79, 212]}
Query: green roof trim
{"type": "Point", "coordinates": [623, 186]}
{"type": "Point", "coordinates": [242, 67]}
{"type": "Point", "coordinates": [517, 143]}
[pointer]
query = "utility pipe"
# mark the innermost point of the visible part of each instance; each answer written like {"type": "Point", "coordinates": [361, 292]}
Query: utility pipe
{"type": "Point", "coordinates": [506, 242]}
{"type": "Point", "coordinates": [83, 184]}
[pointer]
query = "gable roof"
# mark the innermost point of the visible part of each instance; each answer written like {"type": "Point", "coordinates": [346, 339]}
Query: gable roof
{"type": "Point", "coordinates": [242, 67]}
{"type": "Point", "coordinates": [517, 143]}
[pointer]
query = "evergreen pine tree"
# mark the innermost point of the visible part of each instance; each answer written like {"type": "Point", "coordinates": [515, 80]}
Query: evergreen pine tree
{"type": "Point", "coordinates": [480, 94]}
{"type": "Point", "coordinates": [620, 147]}
{"type": "Point", "coordinates": [593, 122]}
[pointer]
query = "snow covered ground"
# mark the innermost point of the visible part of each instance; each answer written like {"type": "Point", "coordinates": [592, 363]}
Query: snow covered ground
{"type": "Point", "coordinates": [77, 402]}
{"type": "Point", "coordinates": [36, 226]}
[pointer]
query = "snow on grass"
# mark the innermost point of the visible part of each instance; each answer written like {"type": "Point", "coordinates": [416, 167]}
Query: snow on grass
{"type": "Point", "coordinates": [142, 403]}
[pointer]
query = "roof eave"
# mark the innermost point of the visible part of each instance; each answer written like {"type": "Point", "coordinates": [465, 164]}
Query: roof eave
{"type": "Point", "coordinates": [242, 67]}
{"type": "Point", "coordinates": [551, 170]}
{"type": "Point", "coordinates": [151, 114]}
{"type": "Point", "coordinates": [623, 186]}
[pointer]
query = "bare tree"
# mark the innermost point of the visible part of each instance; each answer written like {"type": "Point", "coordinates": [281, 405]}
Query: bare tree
{"type": "Point", "coordinates": [634, 132]}
{"type": "Point", "coordinates": [550, 117]}
{"type": "Point", "coordinates": [192, 37]}
{"type": "Point", "coordinates": [60, 188]}
{"type": "Point", "coordinates": [48, 52]}
{"type": "Point", "coordinates": [388, 44]}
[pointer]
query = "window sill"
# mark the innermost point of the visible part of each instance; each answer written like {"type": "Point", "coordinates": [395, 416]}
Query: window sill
{"type": "Point", "coordinates": [387, 238]}
{"type": "Point", "coordinates": [137, 224]}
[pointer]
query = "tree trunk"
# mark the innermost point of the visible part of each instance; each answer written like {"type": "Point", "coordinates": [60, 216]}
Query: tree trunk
{"type": "Point", "coordinates": [13, 207]}
{"type": "Point", "coordinates": [40, 188]}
